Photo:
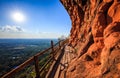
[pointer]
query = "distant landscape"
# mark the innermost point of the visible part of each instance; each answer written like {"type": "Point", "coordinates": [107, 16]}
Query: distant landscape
{"type": "Point", "coordinates": [13, 52]}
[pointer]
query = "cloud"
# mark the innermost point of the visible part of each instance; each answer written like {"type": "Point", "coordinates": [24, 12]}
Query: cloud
{"type": "Point", "coordinates": [9, 31]}
{"type": "Point", "coordinates": [9, 28]}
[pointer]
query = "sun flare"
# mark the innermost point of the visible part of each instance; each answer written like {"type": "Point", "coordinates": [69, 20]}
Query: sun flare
{"type": "Point", "coordinates": [18, 17]}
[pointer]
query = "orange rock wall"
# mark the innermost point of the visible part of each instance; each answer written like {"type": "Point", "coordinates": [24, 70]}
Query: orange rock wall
{"type": "Point", "coordinates": [95, 33]}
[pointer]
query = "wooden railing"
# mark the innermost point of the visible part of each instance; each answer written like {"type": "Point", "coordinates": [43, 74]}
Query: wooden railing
{"type": "Point", "coordinates": [35, 59]}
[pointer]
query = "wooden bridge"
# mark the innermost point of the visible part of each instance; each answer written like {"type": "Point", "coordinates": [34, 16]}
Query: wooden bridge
{"type": "Point", "coordinates": [58, 56]}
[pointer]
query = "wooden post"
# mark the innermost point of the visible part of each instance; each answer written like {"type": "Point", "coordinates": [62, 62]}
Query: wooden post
{"type": "Point", "coordinates": [36, 67]}
{"type": "Point", "coordinates": [52, 46]}
{"type": "Point", "coordinates": [59, 45]}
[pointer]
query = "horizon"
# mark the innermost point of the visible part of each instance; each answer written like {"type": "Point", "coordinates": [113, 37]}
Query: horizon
{"type": "Point", "coordinates": [23, 19]}
{"type": "Point", "coordinates": [29, 38]}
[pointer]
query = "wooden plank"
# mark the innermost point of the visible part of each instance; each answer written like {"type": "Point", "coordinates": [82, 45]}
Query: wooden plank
{"type": "Point", "coordinates": [55, 64]}
{"type": "Point", "coordinates": [49, 60]}
{"type": "Point", "coordinates": [20, 67]}
{"type": "Point", "coordinates": [52, 66]}
{"type": "Point", "coordinates": [57, 75]}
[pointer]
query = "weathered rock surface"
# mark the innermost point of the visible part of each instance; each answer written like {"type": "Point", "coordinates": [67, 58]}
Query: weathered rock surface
{"type": "Point", "coordinates": [95, 34]}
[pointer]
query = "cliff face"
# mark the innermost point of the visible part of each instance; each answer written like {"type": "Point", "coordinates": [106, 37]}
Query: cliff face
{"type": "Point", "coordinates": [95, 35]}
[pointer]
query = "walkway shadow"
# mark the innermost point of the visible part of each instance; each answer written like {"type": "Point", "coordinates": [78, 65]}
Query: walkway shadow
{"type": "Point", "coordinates": [53, 72]}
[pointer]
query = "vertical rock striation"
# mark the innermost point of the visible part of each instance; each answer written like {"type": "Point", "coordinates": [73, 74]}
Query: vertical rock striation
{"type": "Point", "coordinates": [95, 34]}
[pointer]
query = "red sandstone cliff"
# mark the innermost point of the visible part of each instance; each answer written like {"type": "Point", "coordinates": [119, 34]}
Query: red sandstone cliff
{"type": "Point", "coordinates": [95, 35]}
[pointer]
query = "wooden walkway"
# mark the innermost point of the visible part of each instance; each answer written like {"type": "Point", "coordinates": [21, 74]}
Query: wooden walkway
{"type": "Point", "coordinates": [59, 67]}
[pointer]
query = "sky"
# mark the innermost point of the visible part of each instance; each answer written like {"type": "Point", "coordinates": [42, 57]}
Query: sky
{"type": "Point", "coordinates": [33, 19]}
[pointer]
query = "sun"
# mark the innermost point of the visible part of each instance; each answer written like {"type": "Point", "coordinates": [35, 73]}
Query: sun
{"type": "Point", "coordinates": [18, 16]}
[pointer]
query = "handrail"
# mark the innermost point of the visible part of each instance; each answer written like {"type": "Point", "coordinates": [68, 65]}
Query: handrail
{"type": "Point", "coordinates": [46, 64]}
{"type": "Point", "coordinates": [35, 60]}
{"type": "Point", "coordinates": [18, 68]}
